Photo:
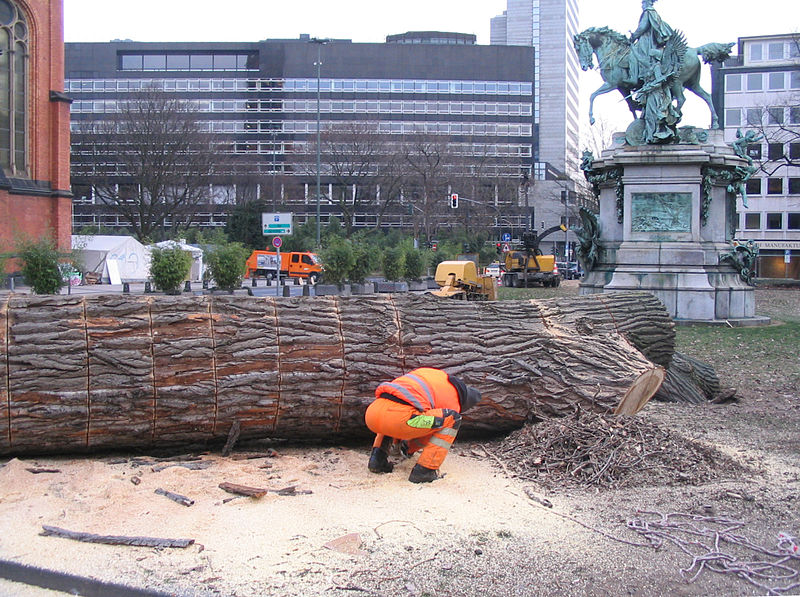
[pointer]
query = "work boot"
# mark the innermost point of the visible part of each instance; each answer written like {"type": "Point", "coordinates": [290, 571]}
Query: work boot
{"type": "Point", "coordinates": [379, 462]}
{"type": "Point", "coordinates": [421, 474]}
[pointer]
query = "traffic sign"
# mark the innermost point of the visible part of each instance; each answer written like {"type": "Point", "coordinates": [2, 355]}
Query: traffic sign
{"type": "Point", "coordinates": [276, 223]}
{"type": "Point", "coordinates": [277, 242]}
{"type": "Point", "coordinates": [506, 238]}
{"type": "Point", "coordinates": [506, 248]}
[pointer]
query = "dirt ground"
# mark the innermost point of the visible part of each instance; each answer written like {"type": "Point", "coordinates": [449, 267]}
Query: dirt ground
{"type": "Point", "coordinates": [481, 530]}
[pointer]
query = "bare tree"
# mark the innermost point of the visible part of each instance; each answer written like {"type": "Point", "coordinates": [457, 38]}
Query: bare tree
{"type": "Point", "coordinates": [430, 164]}
{"type": "Point", "coordinates": [363, 165]}
{"type": "Point", "coordinates": [151, 161]}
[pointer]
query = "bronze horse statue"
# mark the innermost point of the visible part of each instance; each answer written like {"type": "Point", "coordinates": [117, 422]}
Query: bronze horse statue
{"type": "Point", "coordinates": [613, 54]}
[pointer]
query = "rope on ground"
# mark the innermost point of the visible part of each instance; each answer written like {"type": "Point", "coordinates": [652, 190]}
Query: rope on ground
{"type": "Point", "coordinates": [704, 538]}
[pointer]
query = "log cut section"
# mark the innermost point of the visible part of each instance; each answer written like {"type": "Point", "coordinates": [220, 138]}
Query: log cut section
{"type": "Point", "coordinates": [47, 373]}
{"type": "Point", "coordinates": [120, 374]}
{"type": "Point", "coordinates": [5, 439]}
{"type": "Point", "coordinates": [99, 372]}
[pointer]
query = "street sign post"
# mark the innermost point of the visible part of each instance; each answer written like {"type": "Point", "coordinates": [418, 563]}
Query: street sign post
{"type": "Point", "coordinates": [276, 223]}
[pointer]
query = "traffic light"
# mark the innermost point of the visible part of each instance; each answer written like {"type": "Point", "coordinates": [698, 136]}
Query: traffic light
{"type": "Point", "coordinates": [498, 247]}
{"type": "Point", "coordinates": [454, 200]}
{"type": "Point", "coordinates": [433, 246]}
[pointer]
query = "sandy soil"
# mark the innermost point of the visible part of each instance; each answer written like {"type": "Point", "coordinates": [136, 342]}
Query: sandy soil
{"type": "Point", "coordinates": [475, 532]}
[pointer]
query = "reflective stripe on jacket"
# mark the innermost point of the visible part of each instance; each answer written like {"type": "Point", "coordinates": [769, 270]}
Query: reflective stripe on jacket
{"type": "Point", "coordinates": [424, 389]}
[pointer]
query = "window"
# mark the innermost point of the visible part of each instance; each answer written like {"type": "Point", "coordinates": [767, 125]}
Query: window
{"type": "Point", "coordinates": [754, 82]}
{"type": "Point", "coordinates": [130, 62]}
{"type": "Point", "coordinates": [154, 62]}
{"type": "Point", "coordinates": [794, 186]}
{"type": "Point", "coordinates": [754, 116]}
{"type": "Point", "coordinates": [793, 221]}
{"type": "Point", "coordinates": [775, 80]}
{"type": "Point", "coordinates": [775, 115]}
{"type": "Point", "coordinates": [733, 117]}
{"type": "Point", "coordinates": [752, 221]}
{"type": "Point", "coordinates": [795, 79]}
{"type": "Point", "coordinates": [754, 151]}
{"type": "Point", "coordinates": [775, 51]}
{"type": "Point", "coordinates": [201, 61]}
{"type": "Point", "coordinates": [775, 151]}
{"type": "Point", "coordinates": [794, 151]}
{"type": "Point", "coordinates": [224, 62]}
{"type": "Point", "coordinates": [755, 52]}
{"type": "Point", "coordinates": [774, 186]}
{"type": "Point", "coordinates": [13, 88]}
{"type": "Point", "coordinates": [177, 62]}
{"type": "Point", "coordinates": [794, 115]}
{"type": "Point", "coordinates": [774, 221]}
{"type": "Point", "coordinates": [754, 186]}
{"type": "Point", "coordinates": [733, 82]}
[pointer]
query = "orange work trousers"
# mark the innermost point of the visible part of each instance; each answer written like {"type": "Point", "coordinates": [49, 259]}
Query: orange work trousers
{"type": "Point", "coordinates": [387, 418]}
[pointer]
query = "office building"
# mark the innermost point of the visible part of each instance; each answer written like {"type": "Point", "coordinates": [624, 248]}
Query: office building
{"type": "Point", "coordinates": [549, 26]}
{"type": "Point", "coordinates": [759, 90]}
{"type": "Point", "coordinates": [473, 102]}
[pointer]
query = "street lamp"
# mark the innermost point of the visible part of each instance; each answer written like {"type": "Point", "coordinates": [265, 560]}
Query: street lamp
{"type": "Point", "coordinates": [320, 41]}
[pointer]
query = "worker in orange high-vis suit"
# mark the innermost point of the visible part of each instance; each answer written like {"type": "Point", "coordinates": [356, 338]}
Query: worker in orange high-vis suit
{"type": "Point", "coordinates": [421, 410]}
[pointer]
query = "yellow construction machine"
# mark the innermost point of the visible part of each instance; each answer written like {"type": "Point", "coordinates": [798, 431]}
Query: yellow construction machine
{"type": "Point", "coordinates": [460, 280]}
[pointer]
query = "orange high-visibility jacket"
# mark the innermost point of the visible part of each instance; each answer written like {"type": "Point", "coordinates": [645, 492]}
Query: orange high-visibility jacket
{"type": "Point", "coordinates": [424, 389]}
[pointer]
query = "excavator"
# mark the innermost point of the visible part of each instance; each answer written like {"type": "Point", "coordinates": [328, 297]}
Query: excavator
{"type": "Point", "coordinates": [529, 267]}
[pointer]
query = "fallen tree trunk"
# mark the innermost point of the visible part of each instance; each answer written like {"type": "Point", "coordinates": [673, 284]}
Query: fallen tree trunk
{"type": "Point", "coordinates": [119, 371]}
{"type": "Point", "coordinates": [688, 380]}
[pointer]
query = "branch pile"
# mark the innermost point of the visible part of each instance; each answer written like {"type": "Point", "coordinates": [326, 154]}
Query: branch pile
{"type": "Point", "coordinates": [590, 449]}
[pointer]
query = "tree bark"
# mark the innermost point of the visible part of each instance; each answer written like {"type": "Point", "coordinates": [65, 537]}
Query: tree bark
{"type": "Point", "coordinates": [688, 380]}
{"type": "Point", "coordinates": [85, 373]}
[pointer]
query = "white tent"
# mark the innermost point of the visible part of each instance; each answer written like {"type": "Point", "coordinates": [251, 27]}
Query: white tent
{"type": "Point", "coordinates": [116, 258]}
{"type": "Point", "coordinates": [196, 273]}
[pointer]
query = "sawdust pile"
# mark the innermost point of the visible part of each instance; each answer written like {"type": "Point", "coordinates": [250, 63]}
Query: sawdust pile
{"type": "Point", "coordinates": [587, 449]}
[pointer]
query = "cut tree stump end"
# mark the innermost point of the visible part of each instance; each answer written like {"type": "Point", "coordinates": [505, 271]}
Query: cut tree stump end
{"type": "Point", "coordinates": [640, 392]}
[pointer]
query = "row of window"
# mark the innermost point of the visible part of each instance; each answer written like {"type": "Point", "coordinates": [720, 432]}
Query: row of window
{"type": "Point", "coordinates": [773, 186]}
{"type": "Point", "coordinates": [776, 115]}
{"type": "Point", "coordinates": [491, 129]}
{"type": "Point", "coordinates": [188, 61]}
{"type": "Point", "coordinates": [771, 221]}
{"type": "Point", "coordinates": [775, 151]}
{"type": "Point", "coordinates": [409, 107]}
{"type": "Point", "coordinates": [300, 85]}
{"type": "Point", "coordinates": [111, 106]}
{"type": "Point", "coordinates": [773, 50]}
{"type": "Point", "coordinates": [490, 169]}
{"type": "Point", "coordinates": [762, 81]}
{"type": "Point", "coordinates": [459, 149]}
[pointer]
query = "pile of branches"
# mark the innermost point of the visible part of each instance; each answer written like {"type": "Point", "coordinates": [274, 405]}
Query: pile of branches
{"type": "Point", "coordinates": [589, 449]}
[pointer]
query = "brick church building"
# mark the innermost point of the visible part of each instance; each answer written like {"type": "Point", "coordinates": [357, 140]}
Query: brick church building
{"type": "Point", "coordinates": [35, 197]}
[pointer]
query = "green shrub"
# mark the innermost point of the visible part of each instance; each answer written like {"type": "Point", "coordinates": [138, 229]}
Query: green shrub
{"type": "Point", "coordinates": [392, 264]}
{"type": "Point", "coordinates": [169, 267]}
{"type": "Point", "coordinates": [338, 260]}
{"type": "Point", "coordinates": [40, 266]}
{"type": "Point", "coordinates": [226, 263]}
{"type": "Point", "coordinates": [413, 264]}
{"type": "Point", "coordinates": [362, 263]}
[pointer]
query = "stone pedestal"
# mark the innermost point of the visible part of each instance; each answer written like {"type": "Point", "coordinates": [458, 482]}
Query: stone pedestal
{"type": "Point", "coordinates": [666, 216]}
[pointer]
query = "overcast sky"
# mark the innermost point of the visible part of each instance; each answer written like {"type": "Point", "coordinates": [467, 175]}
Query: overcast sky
{"type": "Point", "coordinates": [702, 21]}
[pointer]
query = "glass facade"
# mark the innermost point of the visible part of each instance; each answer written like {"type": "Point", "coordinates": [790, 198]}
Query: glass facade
{"type": "Point", "coordinates": [271, 122]}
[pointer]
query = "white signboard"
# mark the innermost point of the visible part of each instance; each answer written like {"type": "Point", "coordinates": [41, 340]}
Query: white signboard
{"type": "Point", "coordinates": [277, 223]}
